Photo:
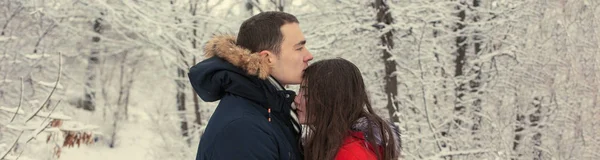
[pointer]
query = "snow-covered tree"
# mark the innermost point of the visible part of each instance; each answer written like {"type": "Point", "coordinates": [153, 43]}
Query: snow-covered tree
{"type": "Point", "coordinates": [463, 79]}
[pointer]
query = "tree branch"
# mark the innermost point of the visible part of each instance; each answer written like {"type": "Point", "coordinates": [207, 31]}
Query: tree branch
{"type": "Point", "coordinates": [20, 101]}
{"type": "Point", "coordinates": [53, 89]}
{"type": "Point", "coordinates": [256, 5]}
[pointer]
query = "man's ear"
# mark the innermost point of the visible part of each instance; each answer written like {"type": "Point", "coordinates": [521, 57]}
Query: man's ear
{"type": "Point", "coordinates": [268, 54]}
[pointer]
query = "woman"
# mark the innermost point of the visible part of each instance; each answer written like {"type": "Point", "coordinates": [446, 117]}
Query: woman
{"type": "Point", "coordinates": [333, 104]}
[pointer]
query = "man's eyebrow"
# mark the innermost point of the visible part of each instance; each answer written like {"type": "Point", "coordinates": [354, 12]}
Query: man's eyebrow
{"type": "Point", "coordinates": [300, 43]}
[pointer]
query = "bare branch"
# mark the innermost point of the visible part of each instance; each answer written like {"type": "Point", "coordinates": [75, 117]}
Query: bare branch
{"type": "Point", "coordinates": [42, 126]}
{"type": "Point", "coordinates": [12, 146]}
{"type": "Point", "coordinates": [10, 18]}
{"type": "Point", "coordinates": [256, 5]}
{"type": "Point", "coordinates": [20, 101]}
{"type": "Point", "coordinates": [53, 89]}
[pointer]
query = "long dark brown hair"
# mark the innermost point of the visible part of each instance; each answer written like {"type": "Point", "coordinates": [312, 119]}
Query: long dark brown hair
{"type": "Point", "coordinates": [335, 99]}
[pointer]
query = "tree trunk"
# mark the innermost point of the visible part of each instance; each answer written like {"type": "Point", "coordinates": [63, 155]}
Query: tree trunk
{"type": "Point", "coordinates": [181, 103]}
{"type": "Point", "coordinates": [438, 70]}
{"type": "Point", "coordinates": [180, 96]}
{"type": "Point", "coordinates": [391, 83]}
{"type": "Point", "coordinates": [529, 125]}
{"type": "Point", "coordinates": [476, 83]}
{"type": "Point", "coordinates": [118, 113]}
{"type": "Point", "coordinates": [534, 120]}
{"type": "Point", "coordinates": [459, 62]}
{"type": "Point", "coordinates": [125, 83]}
{"type": "Point", "coordinates": [519, 128]}
{"type": "Point", "coordinates": [197, 111]}
{"type": "Point", "coordinates": [93, 63]}
{"type": "Point", "coordinates": [467, 90]}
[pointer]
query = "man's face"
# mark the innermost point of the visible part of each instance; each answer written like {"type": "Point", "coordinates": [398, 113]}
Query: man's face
{"type": "Point", "coordinates": [293, 58]}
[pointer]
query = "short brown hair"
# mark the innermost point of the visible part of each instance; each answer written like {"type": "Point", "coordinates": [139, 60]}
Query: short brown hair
{"type": "Point", "coordinates": [263, 31]}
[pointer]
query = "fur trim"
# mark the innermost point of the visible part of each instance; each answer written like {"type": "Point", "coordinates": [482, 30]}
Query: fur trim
{"type": "Point", "coordinates": [224, 46]}
{"type": "Point", "coordinates": [362, 124]}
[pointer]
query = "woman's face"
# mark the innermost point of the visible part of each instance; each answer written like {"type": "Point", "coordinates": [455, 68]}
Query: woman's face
{"type": "Point", "coordinates": [300, 102]}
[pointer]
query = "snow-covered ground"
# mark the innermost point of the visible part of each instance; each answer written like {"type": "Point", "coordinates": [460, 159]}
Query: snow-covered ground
{"type": "Point", "coordinates": [535, 95]}
{"type": "Point", "coordinates": [135, 143]}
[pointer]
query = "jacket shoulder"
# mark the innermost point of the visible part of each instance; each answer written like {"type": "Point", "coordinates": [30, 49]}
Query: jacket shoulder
{"type": "Point", "coordinates": [355, 148]}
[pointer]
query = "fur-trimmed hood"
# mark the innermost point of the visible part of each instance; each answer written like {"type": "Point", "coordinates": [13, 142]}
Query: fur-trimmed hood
{"type": "Point", "coordinates": [230, 69]}
{"type": "Point", "coordinates": [362, 124]}
{"type": "Point", "coordinates": [224, 46]}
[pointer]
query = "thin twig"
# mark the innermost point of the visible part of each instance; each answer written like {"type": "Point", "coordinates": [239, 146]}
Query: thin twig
{"type": "Point", "coordinates": [42, 127]}
{"type": "Point", "coordinates": [13, 15]}
{"type": "Point", "coordinates": [20, 101]}
{"type": "Point", "coordinates": [37, 44]}
{"type": "Point", "coordinates": [20, 153]}
{"type": "Point", "coordinates": [13, 145]}
{"type": "Point", "coordinates": [53, 89]}
{"type": "Point", "coordinates": [52, 111]}
{"type": "Point", "coordinates": [33, 135]}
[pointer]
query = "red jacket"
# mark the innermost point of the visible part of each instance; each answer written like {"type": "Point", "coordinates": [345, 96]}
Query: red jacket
{"type": "Point", "coordinates": [355, 148]}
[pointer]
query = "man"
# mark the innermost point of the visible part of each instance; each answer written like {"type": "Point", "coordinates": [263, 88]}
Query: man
{"type": "Point", "coordinates": [254, 118]}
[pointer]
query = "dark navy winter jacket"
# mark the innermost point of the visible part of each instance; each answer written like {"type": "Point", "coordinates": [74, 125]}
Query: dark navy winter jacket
{"type": "Point", "coordinates": [241, 126]}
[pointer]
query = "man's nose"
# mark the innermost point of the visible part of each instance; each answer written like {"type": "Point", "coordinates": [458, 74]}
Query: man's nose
{"type": "Point", "coordinates": [309, 57]}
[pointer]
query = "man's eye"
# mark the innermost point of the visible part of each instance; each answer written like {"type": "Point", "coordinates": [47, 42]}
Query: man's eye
{"type": "Point", "coordinates": [299, 49]}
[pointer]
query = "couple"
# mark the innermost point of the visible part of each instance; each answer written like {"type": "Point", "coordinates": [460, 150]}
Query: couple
{"type": "Point", "coordinates": [255, 118]}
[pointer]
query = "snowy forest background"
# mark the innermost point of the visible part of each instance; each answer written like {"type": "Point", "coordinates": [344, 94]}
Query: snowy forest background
{"type": "Point", "coordinates": [463, 79]}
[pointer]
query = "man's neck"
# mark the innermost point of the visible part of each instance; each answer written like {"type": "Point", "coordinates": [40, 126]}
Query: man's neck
{"type": "Point", "coordinates": [275, 83]}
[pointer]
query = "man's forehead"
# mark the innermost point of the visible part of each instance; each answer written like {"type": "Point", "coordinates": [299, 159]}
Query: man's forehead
{"type": "Point", "coordinates": [291, 33]}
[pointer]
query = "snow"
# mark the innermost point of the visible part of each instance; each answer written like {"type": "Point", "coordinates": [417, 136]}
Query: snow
{"type": "Point", "coordinates": [50, 84]}
{"type": "Point", "coordinates": [135, 144]}
{"type": "Point", "coordinates": [36, 56]}
{"type": "Point", "coordinates": [6, 38]}
{"type": "Point", "coordinates": [557, 54]}
{"type": "Point", "coordinates": [12, 110]}
{"type": "Point", "coordinates": [54, 115]}
{"type": "Point", "coordinates": [22, 127]}
{"type": "Point", "coordinates": [11, 157]}
{"type": "Point", "coordinates": [5, 80]}
{"type": "Point", "coordinates": [77, 126]}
